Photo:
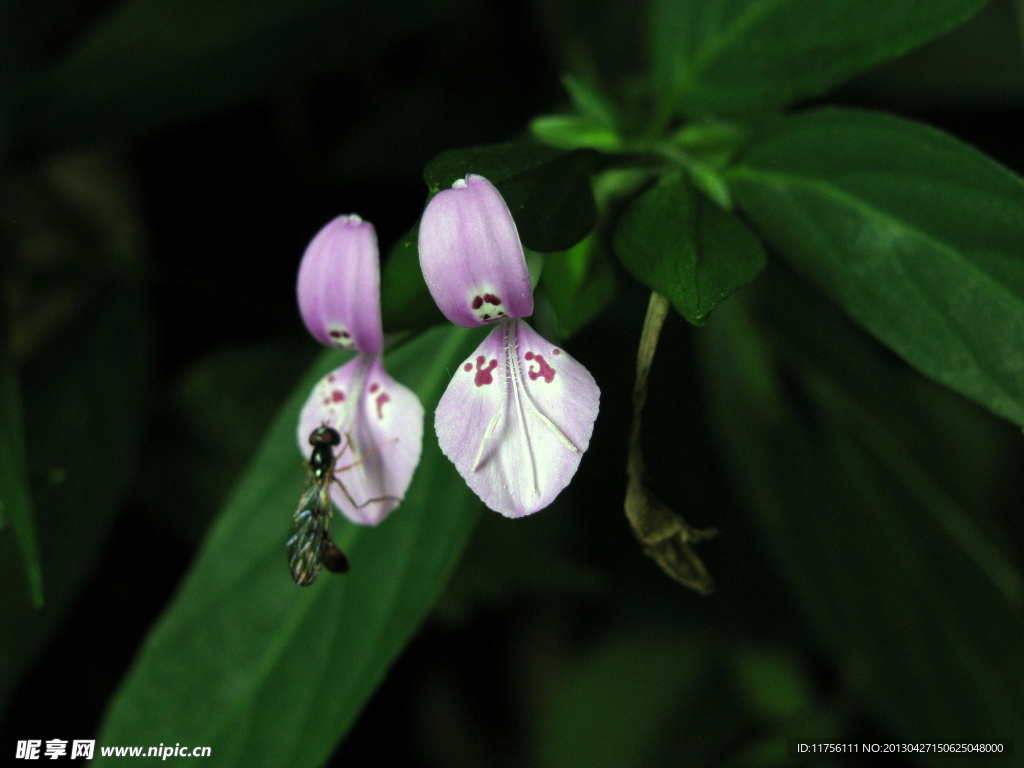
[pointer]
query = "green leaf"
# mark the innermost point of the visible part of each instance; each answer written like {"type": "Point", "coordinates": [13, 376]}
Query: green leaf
{"type": "Point", "coordinates": [15, 497]}
{"type": "Point", "coordinates": [547, 189]}
{"type": "Point", "coordinates": [572, 132]}
{"type": "Point", "coordinates": [271, 674]}
{"type": "Point", "coordinates": [745, 56]}
{"type": "Point", "coordinates": [594, 125]}
{"type": "Point", "coordinates": [711, 138]}
{"type": "Point", "coordinates": [151, 62]}
{"type": "Point", "coordinates": [579, 283]}
{"type": "Point", "coordinates": [919, 609]}
{"type": "Point", "coordinates": [590, 103]}
{"type": "Point", "coordinates": [915, 235]}
{"type": "Point", "coordinates": [683, 246]}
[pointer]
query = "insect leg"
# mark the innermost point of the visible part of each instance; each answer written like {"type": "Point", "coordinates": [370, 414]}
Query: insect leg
{"type": "Point", "coordinates": [365, 456]}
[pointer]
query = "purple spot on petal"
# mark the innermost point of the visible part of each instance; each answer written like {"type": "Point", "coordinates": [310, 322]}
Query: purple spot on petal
{"type": "Point", "coordinates": [487, 307]}
{"type": "Point", "coordinates": [542, 371]}
{"type": "Point", "coordinates": [337, 396]}
{"type": "Point", "coordinates": [556, 351]}
{"type": "Point", "coordinates": [467, 367]}
{"type": "Point", "coordinates": [374, 387]}
{"type": "Point", "coordinates": [382, 398]}
{"type": "Point", "coordinates": [483, 375]}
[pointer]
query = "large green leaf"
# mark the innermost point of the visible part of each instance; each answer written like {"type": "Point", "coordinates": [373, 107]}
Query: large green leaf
{"type": "Point", "coordinates": [268, 673]}
{"type": "Point", "coordinates": [741, 56]}
{"type": "Point", "coordinates": [547, 189]}
{"type": "Point", "coordinates": [685, 247]}
{"type": "Point", "coordinates": [916, 603]}
{"type": "Point", "coordinates": [151, 62]}
{"type": "Point", "coordinates": [916, 236]}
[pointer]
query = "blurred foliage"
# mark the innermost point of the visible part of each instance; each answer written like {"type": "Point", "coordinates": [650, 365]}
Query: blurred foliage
{"type": "Point", "coordinates": [83, 337]}
{"type": "Point", "coordinates": [915, 598]}
{"type": "Point", "coordinates": [16, 503]}
{"type": "Point", "coordinates": [164, 164]}
{"type": "Point", "coordinates": [912, 233]}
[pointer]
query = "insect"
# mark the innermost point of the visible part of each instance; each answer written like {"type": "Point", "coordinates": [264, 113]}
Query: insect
{"type": "Point", "coordinates": [310, 546]}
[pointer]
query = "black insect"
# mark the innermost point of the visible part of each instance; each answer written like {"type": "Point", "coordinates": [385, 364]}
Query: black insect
{"type": "Point", "coordinates": [310, 546]}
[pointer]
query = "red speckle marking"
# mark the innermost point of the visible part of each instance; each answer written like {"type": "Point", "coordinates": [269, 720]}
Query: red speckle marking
{"type": "Point", "coordinates": [490, 298]}
{"type": "Point", "coordinates": [467, 367]}
{"type": "Point", "coordinates": [374, 387]}
{"type": "Point", "coordinates": [556, 351]}
{"type": "Point", "coordinates": [337, 396]}
{"type": "Point", "coordinates": [382, 398]}
{"type": "Point", "coordinates": [542, 371]}
{"type": "Point", "coordinates": [483, 375]}
{"type": "Point", "coordinates": [330, 377]}
{"type": "Point", "coordinates": [478, 301]}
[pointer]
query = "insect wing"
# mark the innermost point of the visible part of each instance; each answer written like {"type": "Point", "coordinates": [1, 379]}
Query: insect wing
{"type": "Point", "coordinates": [309, 531]}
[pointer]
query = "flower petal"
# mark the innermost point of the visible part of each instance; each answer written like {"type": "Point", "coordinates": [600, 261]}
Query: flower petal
{"type": "Point", "coordinates": [381, 426]}
{"type": "Point", "coordinates": [339, 286]}
{"type": "Point", "coordinates": [471, 256]}
{"type": "Point", "coordinates": [516, 419]}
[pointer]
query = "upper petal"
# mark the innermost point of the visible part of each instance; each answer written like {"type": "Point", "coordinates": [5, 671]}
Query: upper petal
{"type": "Point", "coordinates": [471, 256]}
{"type": "Point", "coordinates": [381, 426]}
{"type": "Point", "coordinates": [339, 286]}
{"type": "Point", "coordinates": [516, 419]}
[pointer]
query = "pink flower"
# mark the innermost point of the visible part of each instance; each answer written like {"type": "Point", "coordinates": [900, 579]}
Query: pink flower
{"type": "Point", "coordinates": [518, 414]}
{"type": "Point", "coordinates": [379, 420]}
